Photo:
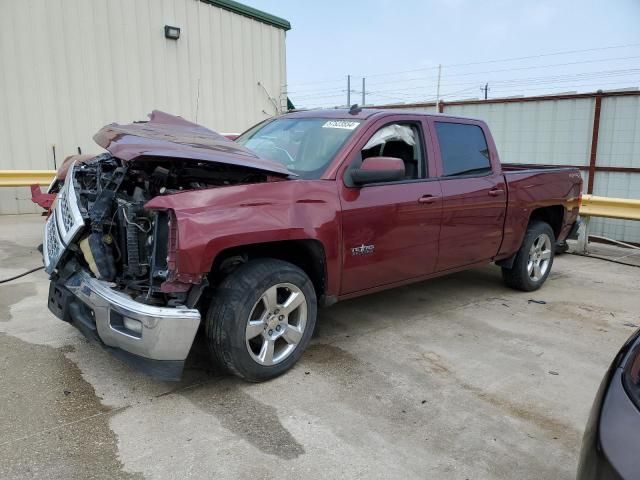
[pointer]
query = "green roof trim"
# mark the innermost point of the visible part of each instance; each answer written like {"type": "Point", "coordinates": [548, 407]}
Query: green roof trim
{"type": "Point", "coordinates": [251, 12]}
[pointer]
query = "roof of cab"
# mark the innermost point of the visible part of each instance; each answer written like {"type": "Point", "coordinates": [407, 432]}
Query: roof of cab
{"type": "Point", "coordinates": [335, 113]}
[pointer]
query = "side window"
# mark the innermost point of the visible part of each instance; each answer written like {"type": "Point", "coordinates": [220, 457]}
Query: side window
{"type": "Point", "coordinates": [463, 149]}
{"type": "Point", "coordinates": [402, 141]}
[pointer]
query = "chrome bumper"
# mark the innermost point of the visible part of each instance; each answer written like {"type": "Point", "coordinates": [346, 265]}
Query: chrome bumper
{"type": "Point", "coordinates": [166, 333]}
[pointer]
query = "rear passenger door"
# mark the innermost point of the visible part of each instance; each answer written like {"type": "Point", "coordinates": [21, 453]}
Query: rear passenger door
{"type": "Point", "coordinates": [473, 194]}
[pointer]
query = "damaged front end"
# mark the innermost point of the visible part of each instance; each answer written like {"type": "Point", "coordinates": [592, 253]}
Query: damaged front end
{"type": "Point", "coordinates": [112, 261]}
{"type": "Point", "coordinates": [126, 243]}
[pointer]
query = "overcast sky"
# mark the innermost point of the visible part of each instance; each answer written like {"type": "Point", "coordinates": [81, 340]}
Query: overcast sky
{"type": "Point", "coordinates": [380, 38]}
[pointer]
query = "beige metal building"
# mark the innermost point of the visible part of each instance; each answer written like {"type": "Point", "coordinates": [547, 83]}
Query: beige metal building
{"type": "Point", "coordinates": [71, 66]}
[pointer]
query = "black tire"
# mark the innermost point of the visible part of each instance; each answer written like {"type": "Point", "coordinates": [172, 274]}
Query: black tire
{"type": "Point", "coordinates": [518, 276]}
{"type": "Point", "coordinates": [231, 306]}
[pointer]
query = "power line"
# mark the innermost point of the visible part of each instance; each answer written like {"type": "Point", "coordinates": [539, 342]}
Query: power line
{"type": "Point", "coordinates": [313, 92]}
{"type": "Point", "coordinates": [417, 98]}
{"type": "Point", "coordinates": [554, 79]}
{"type": "Point", "coordinates": [455, 65]}
{"type": "Point", "coordinates": [566, 52]}
{"type": "Point", "coordinates": [520, 91]}
{"type": "Point", "coordinates": [548, 82]}
{"type": "Point", "coordinates": [451, 65]}
{"type": "Point", "coordinates": [317, 82]}
{"type": "Point", "coordinates": [528, 80]}
{"type": "Point", "coordinates": [594, 85]}
{"type": "Point", "coordinates": [543, 66]}
{"type": "Point", "coordinates": [410, 97]}
{"type": "Point", "coordinates": [465, 74]}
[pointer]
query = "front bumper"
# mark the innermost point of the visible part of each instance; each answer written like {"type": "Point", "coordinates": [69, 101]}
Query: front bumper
{"type": "Point", "coordinates": [158, 345]}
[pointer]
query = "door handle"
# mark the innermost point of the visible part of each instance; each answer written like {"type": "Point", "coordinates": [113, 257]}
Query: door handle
{"type": "Point", "coordinates": [494, 192]}
{"type": "Point", "coordinates": [428, 199]}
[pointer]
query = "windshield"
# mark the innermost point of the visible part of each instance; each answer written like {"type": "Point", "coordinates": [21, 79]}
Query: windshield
{"type": "Point", "coordinates": [304, 145]}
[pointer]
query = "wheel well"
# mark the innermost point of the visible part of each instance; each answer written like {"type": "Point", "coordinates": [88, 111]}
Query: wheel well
{"type": "Point", "coordinates": [553, 215]}
{"type": "Point", "coordinates": [308, 255]}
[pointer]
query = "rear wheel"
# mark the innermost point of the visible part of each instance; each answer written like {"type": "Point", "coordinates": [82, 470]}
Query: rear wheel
{"type": "Point", "coordinates": [533, 261]}
{"type": "Point", "coordinates": [261, 319]}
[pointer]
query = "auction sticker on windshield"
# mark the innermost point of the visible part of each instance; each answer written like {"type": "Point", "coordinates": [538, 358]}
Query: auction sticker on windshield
{"type": "Point", "coordinates": [345, 124]}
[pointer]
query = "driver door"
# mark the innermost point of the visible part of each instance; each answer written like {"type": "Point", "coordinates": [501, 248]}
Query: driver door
{"type": "Point", "coordinates": [390, 230]}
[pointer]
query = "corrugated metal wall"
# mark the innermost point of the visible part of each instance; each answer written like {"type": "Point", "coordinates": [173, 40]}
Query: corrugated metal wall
{"type": "Point", "coordinates": [618, 146]}
{"type": "Point", "coordinates": [558, 132]}
{"type": "Point", "coordinates": [68, 67]}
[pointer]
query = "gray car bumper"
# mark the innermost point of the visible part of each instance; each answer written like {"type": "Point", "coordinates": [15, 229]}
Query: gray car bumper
{"type": "Point", "coordinates": [147, 336]}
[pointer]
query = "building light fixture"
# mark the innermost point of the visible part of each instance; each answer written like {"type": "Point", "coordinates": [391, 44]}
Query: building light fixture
{"type": "Point", "coordinates": [172, 33]}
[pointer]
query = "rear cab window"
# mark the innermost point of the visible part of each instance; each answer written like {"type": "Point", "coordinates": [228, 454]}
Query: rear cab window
{"type": "Point", "coordinates": [463, 149]}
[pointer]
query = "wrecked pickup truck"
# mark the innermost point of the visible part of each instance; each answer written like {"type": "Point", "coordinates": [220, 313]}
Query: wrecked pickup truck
{"type": "Point", "coordinates": [178, 230]}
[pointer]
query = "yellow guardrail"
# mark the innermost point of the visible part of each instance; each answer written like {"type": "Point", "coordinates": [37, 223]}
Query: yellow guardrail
{"type": "Point", "coordinates": [624, 208]}
{"type": "Point", "coordinates": [592, 206]}
{"type": "Point", "coordinates": [25, 178]}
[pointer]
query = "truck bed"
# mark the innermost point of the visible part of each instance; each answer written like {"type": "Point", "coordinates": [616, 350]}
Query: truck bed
{"type": "Point", "coordinates": [532, 187]}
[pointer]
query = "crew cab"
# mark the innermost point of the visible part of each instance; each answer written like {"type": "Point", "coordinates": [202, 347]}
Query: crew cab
{"type": "Point", "coordinates": [178, 230]}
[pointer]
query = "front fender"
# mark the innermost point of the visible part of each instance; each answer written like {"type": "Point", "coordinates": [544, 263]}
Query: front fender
{"type": "Point", "coordinates": [213, 220]}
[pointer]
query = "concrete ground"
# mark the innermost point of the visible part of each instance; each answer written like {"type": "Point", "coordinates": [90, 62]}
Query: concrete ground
{"type": "Point", "coordinates": [456, 378]}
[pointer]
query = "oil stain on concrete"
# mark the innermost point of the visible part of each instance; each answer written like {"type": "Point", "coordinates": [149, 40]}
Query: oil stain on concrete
{"type": "Point", "coordinates": [555, 428]}
{"type": "Point", "coordinates": [372, 393]}
{"type": "Point", "coordinates": [342, 367]}
{"type": "Point", "coordinates": [246, 417]}
{"type": "Point", "coordinates": [52, 425]}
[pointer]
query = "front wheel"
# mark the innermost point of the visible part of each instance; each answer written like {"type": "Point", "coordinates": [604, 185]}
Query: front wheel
{"type": "Point", "coordinates": [261, 319]}
{"type": "Point", "coordinates": [533, 261]}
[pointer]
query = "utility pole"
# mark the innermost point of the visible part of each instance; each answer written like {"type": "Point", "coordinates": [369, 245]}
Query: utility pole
{"type": "Point", "coordinates": [348, 91]}
{"type": "Point", "coordinates": [485, 90]}
{"type": "Point", "coordinates": [438, 89]}
{"type": "Point", "coordinates": [363, 94]}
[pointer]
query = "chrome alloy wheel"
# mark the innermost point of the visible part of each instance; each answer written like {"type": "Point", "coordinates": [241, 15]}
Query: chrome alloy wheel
{"type": "Point", "coordinates": [276, 324]}
{"type": "Point", "coordinates": [539, 257]}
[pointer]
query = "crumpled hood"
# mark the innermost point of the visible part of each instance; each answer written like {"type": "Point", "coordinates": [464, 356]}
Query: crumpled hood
{"type": "Point", "coordinates": [169, 136]}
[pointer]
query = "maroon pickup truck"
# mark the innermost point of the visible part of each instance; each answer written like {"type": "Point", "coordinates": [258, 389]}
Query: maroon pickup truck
{"type": "Point", "coordinates": [178, 229]}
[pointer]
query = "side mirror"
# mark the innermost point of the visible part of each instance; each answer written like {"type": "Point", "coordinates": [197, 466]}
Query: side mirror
{"type": "Point", "coordinates": [378, 169]}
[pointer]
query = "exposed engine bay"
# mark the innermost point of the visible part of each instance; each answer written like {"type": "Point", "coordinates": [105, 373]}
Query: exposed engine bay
{"type": "Point", "coordinates": [126, 244]}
